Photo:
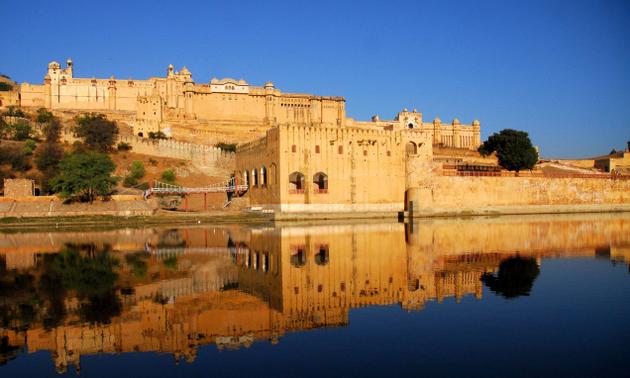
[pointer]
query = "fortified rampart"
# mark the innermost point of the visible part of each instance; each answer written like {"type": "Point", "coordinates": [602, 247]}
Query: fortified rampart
{"type": "Point", "coordinates": [478, 195]}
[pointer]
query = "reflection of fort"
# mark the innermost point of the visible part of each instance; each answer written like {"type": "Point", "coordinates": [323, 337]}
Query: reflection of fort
{"type": "Point", "coordinates": [300, 278]}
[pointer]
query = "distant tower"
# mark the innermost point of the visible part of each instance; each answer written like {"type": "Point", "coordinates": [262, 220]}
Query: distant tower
{"type": "Point", "coordinates": [69, 67]}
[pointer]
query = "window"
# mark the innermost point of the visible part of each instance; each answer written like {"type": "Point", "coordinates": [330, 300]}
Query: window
{"type": "Point", "coordinates": [321, 258]}
{"type": "Point", "coordinates": [320, 179]}
{"type": "Point", "coordinates": [298, 257]}
{"type": "Point", "coordinates": [254, 177]}
{"type": "Point", "coordinates": [389, 153]}
{"type": "Point", "coordinates": [293, 148]}
{"type": "Point", "coordinates": [296, 183]}
{"type": "Point", "coordinates": [263, 176]}
{"type": "Point", "coordinates": [317, 149]}
{"type": "Point", "coordinates": [364, 152]}
{"type": "Point", "coordinates": [340, 150]}
{"type": "Point", "coordinates": [246, 177]}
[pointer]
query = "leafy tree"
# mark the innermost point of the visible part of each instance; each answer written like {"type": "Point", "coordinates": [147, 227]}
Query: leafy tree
{"type": "Point", "coordinates": [169, 176]}
{"type": "Point", "coordinates": [515, 277]}
{"type": "Point", "coordinates": [612, 152]}
{"type": "Point", "coordinates": [44, 116]}
{"type": "Point", "coordinates": [89, 272]}
{"type": "Point", "coordinates": [15, 156]}
{"type": "Point", "coordinates": [47, 158]}
{"type": "Point", "coordinates": [98, 133]}
{"type": "Point", "coordinates": [22, 130]}
{"type": "Point", "coordinates": [12, 111]}
{"type": "Point", "coordinates": [5, 87]}
{"type": "Point", "coordinates": [513, 148]}
{"type": "Point", "coordinates": [84, 176]}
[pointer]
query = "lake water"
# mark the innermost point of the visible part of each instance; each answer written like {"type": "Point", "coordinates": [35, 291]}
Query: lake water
{"type": "Point", "coordinates": [479, 297]}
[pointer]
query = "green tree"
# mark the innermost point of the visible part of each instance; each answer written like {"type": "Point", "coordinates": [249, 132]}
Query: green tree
{"type": "Point", "coordinates": [513, 148]}
{"type": "Point", "coordinates": [47, 159]}
{"type": "Point", "coordinates": [98, 133]}
{"type": "Point", "coordinates": [44, 116]}
{"type": "Point", "coordinates": [15, 156]}
{"type": "Point", "coordinates": [84, 176]}
{"type": "Point", "coordinates": [22, 130]}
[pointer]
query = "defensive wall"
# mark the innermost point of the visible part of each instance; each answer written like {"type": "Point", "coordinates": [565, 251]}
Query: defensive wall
{"type": "Point", "coordinates": [452, 195]}
{"type": "Point", "coordinates": [52, 206]}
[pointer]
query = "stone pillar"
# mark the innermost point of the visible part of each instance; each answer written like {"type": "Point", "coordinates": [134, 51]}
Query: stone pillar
{"type": "Point", "coordinates": [456, 126]}
{"type": "Point", "coordinates": [437, 131]}
{"type": "Point", "coordinates": [188, 99]}
{"type": "Point", "coordinates": [269, 110]}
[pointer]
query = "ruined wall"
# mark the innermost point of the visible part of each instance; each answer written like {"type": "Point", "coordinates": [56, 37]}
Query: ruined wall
{"type": "Point", "coordinates": [461, 194]}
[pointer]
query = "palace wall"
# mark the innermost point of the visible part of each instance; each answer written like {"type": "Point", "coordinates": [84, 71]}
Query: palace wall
{"type": "Point", "coordinates": [437, 194]}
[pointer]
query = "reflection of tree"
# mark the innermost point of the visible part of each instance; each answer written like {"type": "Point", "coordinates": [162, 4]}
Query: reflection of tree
{"type": "Point", "coordinates": [138, 264]}
{"type": "Point", "coordinates": [515, 277]}
{"type": "Point", "coordinates": [90, 273]}
{"type": "Point", "coordinates": [7, 351]}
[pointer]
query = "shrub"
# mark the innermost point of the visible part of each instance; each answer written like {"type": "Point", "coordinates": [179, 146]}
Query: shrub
{"type": "Point", "coordinates": [29, 146]}
{"type": "Point", "coordinates": [230, 147]}
{"type": "Point", "coordinates": [12, 111]}
{"type": "Point", "coordinates": [122, 146]}
{"type": "Point", "coordinates": [137, 169]}
{"type": "Point", "coordinates": [157, 135]}
{"type": "Point", "coordinates": [43, 116]}
{"type": "Point", "coordinates": [47, 158]}
{"type": "Point", "coordinates": [169, 176]}
{"type": "Point", "coordinates": [22, 130]}
{"type": "Point", "coordinates": [153, 161]}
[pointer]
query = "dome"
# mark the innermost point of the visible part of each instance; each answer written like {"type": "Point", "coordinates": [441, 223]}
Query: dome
{"type": "Point", "coordinates": [269, 84]}
{"type": "Point", "coordinates": [184, 71]}
{"type": "Point", "coordinates": [475, 122]}
{"type": "Point", "coordinates": [455, 122]}
{"type": "Point", "coordinates": [437, 121]}
{"type": "Point", "coordinates": [214, 80]}
{"type": "Point", "coordinates": [53, 64]}
{"type": "Point", "coordinates": [69, 61]}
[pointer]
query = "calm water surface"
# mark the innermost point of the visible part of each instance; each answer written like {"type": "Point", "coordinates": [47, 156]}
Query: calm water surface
{"type": "Point", "coordinates": [483, 297]}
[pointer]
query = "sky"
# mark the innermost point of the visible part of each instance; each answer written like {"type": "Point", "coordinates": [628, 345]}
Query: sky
{"type": "Point", "coordinates": [559, 70]}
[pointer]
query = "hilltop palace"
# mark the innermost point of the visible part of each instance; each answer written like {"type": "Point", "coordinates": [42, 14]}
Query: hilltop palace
{"type": "Point", "coordinates": [160, 102]}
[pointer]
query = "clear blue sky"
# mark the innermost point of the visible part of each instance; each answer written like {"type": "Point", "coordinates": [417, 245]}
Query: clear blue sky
{"type": "Point", "coordinates": [557, 69]}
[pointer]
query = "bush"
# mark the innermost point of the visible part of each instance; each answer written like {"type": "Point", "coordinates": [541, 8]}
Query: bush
{"type": "Point", "coordinates": [47, 158]}
{"type": "Point", "coordinates": [122, 146]}
{"type": "Point", "coordinates": [153, 161]}
{"type": "Point", "coordinates": [43, 115]}
{"type": "Point", "coordinates": [137, 169]}
{"type": "Point", "coordinates": [98, 133]}
{"type": "Point", "coordinates": [157, 135]}
{"type": "Point", "coordinates": [29, 146]}
{"type": "Point", "coordinates": [230, 147]}
{"type": "Point", "coordinates": [130, 181]}
{"type": "Point", "coordinates": [12, 111]}
{"type": "Point", "coordinates": [169, 176]}
{"type": "Point", "coordinates": [22, 130]}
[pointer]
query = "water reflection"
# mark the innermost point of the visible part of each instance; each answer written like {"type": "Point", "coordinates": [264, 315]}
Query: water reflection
{"type": "Point", "coordinates": [173, 290]}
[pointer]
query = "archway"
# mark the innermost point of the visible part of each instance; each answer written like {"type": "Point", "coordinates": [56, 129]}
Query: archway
{"type": "Point", "coordinates": [296, 181]}
{"type": "Point", "coordinates": [411, 148]}
{"type": "Point", "coordinates": [320, 179]}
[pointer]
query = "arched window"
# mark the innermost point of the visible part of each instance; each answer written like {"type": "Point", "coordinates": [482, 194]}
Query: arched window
{"type": "Point", "coordinates": [320, 179]}
{"type": "Point", "coordinates": [296, 182]}
{"type": "Point", "coordinates": [246, 177]}
{"type": "Point", "coordinates": [293, 148]}
{"type": "Point", "coordinates": [298, 257]}
{"type": "Point", "coordinates": [263, 176]}
{"type": "Point", "coordinates": [410, 125]}
{"type": "Point", "coordinates": [413, 284]}
{"type": "Point", "coordinates": [411, 148]}
{"type": "Point", "coordinates": [265, 262]}
{"type": "Point", "coordinates": [254, 177]}
{"type": "Point", "coordinates": [321, 258]}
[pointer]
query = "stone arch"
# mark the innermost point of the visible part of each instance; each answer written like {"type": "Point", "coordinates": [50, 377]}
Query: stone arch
{"type": "Point", "coordinates": [321, 257]}
{"type": "Point", "coordinates": [411, 148]}
{"type": "Point", "coordinates": [263, 176]}
{"type": "Point", "coordinates": [320, 179]}
{"type": "Point", "coordinates": [296, 181]}
{"type": "Point", "coordinates": [298, 256]}
{"type": "Point", "coordinates": [254, 177]}
{"type": "Point", "coordinates": [272, 174]}
{"type": "Point", "coordinates": [246, 177]}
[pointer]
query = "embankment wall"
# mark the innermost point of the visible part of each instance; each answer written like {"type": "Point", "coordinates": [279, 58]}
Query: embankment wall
{"type": "Point", "coordinates": [472, 195]}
